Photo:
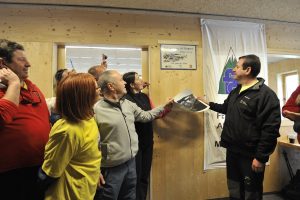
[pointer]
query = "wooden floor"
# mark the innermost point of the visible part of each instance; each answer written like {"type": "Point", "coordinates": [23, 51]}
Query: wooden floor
{"type": "Point", "coordinates": [273, 197]}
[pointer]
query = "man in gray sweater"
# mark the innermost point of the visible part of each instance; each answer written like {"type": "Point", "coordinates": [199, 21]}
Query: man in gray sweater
{"type": "Point", "coordinates": [115, 117]}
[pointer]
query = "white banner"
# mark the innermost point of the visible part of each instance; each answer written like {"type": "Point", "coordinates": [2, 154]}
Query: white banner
{"type": "Point", "coordinates": [223, 43]}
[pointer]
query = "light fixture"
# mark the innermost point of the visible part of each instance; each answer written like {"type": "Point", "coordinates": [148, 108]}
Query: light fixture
{"type": "Point", "coordinates": [104, 48]}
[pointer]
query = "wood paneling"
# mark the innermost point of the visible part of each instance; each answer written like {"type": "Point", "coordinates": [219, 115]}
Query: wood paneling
{"type": "Point", "coordinates": [40, 55]}
{"type": "Point", "coordinates": [268, 9]}
{"type": "Point", "coordinates": [284, 66]}
{"type": "Point", "coordinates": [177, 172]}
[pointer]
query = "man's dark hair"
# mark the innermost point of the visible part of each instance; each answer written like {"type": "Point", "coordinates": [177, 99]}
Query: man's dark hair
{"type": "Point", "coordinates": [58, 75]}
{"type": "Point", "coordinates": [7, 49]}
{"type": "Point", "coordinates": [253, 62]}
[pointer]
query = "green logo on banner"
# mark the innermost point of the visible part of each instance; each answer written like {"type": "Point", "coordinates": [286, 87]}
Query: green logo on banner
{"type": "Point", "coordinates": [227, 83]}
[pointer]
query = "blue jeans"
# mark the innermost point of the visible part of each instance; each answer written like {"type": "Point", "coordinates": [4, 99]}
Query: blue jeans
{"type": "Point", "coordinates": [120, 182]}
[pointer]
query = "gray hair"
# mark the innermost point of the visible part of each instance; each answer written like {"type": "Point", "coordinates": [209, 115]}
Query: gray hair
{"type": "Point", "coordinates": [105, 78]}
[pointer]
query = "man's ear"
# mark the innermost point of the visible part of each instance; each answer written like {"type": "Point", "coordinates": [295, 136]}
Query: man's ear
{"type": "Point", "coordinates": [131, 85]}
{"type": "Point", "coordinates": [3, 63]}
{"type": "Point", "coordinates": [248, 70]}
{"type": "Point", "coordinates": [110, 86]}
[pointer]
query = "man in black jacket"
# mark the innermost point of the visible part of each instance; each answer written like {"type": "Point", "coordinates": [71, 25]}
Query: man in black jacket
{"type": "Point", "coordinates": [250, 129]}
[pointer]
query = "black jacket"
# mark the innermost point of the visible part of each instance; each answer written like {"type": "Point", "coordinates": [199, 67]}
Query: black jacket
{"type": "Point", "coordinates": [252, 121]}
{"type": "Point", "coordinates": [144, 130]}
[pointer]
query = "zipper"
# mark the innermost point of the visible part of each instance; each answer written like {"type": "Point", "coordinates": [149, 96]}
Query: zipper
{"type": "Point", "coordinates": [118, 105]}
{"type": "Point", "coordinates": [124, 117]}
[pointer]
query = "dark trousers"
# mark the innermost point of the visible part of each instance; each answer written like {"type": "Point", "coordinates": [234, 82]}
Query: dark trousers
{"type": "Point", "coordinates": [120, 182]}
{"type": "Point", "coordinates": [143, 168]}
{"type": "Point", "coordinates": [296, 126]}
{"type": "Point", "coordinates": [243, 183]}
{"type": "Point", "coordinates": [20, 184]}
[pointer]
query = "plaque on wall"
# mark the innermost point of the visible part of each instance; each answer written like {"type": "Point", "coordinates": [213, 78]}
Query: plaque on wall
{"type": "Point", "coordinates": [181, 57]}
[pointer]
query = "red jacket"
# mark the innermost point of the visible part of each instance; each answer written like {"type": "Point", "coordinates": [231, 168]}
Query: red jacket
{"type": "Point", "coordinates": [290, 105]}
{"type": "Point", "coordinates": [24, 129]}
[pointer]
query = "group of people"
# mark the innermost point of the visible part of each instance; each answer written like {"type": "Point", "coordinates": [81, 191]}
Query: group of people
{"type": "Point", "coordinates": [84, 139]}
{"type": "Point", "coordinates": [99, 143]}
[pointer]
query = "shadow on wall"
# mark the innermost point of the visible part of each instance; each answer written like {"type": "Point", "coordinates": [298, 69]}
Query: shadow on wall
{"type": "Point", "coordinates": [179, 127]}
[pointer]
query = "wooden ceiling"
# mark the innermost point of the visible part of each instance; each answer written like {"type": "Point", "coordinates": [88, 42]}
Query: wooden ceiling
{"type": "Point", "coordinates": [277, 10]}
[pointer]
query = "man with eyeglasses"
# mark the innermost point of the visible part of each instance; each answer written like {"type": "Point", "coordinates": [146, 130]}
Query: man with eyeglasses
{"type": "Point", "coordinates": [250, 129]}
{"type": "Point", "coordinates": [24, 126]}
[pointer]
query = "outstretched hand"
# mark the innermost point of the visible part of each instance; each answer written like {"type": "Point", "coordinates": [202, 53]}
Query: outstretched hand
{"type": "Point", "coordinates": [169, 104]}
{"type": "Point", "coordinates": [202, 98]}
{"type": "Point", "coordinates": [103, 63]}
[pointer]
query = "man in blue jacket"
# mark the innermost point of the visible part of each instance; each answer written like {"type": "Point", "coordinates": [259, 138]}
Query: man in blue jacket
{"type": "Point", "coordinates": [250, 129]}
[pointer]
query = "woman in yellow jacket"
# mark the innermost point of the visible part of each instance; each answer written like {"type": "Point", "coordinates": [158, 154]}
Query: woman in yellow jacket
{"type": "Point", "coordinates": [71, 167]}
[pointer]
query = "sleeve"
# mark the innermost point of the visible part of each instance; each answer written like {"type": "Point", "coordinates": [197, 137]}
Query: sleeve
{"type": "Point", "coordinates": [165, 111]}
{"type": "Point", "coordinates": [7, 111]}
{"type": "Point", "coordinates": [220, 108]}
{"type": "Point", "coordinates": [59, 150]}
{"type": "Point", "coordinates": [269, 115]}
{"type": "Point", "coordinates": [44, 181]}
{"type": "Point", "coordinates": [290, 105]}
{"type": "Point", "coordinates": [145, 116]}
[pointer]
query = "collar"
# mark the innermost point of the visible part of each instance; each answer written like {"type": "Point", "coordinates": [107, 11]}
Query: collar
{"type": "Point", "coordinates": [255, 86]}
{"type": "Point", "coordinates": [29, 94]}
{"type": "Point", "coordinates": [258, 84]}
{"type": "Point", "coordinates": [24, 85]}
{"type": "Point", "coordinates": [114, 104]}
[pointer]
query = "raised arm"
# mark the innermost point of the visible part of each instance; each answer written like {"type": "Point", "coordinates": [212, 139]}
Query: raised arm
{"type": "Point", "coordinates": [10, 80]}
{"type": "Point", "coordinates": [9, 95]}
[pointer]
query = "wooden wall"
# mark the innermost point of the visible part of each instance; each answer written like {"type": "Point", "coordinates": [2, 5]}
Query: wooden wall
{"type": "Point", "coordinates": [284, 66]}
{"type": "Point", "coordinates": [177, 172]}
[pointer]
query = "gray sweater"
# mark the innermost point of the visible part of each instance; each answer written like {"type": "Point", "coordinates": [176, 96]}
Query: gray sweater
{"type": "Point", "coordinates": [118, 138]}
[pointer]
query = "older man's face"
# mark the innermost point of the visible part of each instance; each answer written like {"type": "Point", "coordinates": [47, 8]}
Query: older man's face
{"type": "Point", "coordinates": [119, 84]}
{"type": "Point", "coordinates": [19, 64]}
